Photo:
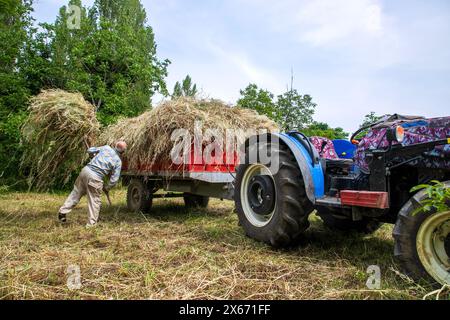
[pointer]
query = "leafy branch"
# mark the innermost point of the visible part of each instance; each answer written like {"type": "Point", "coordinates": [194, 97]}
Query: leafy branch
{"type": "Point", "coordinates": [438, 197]}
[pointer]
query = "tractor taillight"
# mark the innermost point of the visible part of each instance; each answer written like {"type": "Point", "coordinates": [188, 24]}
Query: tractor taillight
{"type": "Point", "coordinates": [368, 199]}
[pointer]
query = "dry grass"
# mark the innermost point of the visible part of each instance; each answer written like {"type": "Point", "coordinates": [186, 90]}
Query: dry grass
{"type": "Point", "coordinates": [149, 135]}
{"type": "Point", "coordinates": [179, 254]}
{"type": "Point", "coordinates": [59, 127]}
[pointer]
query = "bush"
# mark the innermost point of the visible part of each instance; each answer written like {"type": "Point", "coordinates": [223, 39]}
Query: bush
{"type": "Point", "coordinates": [438, 197]}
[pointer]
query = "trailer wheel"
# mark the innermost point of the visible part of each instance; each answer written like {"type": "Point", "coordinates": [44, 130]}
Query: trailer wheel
{"type": "Point", "coordinates": [139, 196]}
{"type": "Point", "coordinates": [422, 242]}
{"type": "Point", "coordinates": [195, 201]}
{"type": "Point", "coordinates": [272, 208]}
{"type": "Point", "coordinates": [366, 225]}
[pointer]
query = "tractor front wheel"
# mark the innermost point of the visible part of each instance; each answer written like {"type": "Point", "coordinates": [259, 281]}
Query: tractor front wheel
{"type": "Point", "coordinates": [422, 241]}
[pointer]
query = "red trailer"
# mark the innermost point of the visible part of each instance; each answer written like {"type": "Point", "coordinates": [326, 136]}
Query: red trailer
{"type": "Point", "coordinates": [195, 181]}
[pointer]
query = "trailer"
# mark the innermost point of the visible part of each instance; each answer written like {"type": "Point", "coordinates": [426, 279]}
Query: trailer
{"type": "Point", "coordinates": [196, 181]}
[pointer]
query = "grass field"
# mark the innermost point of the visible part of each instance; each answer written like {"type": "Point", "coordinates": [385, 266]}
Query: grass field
{"type": "Point", "coordinates": [179, 254]}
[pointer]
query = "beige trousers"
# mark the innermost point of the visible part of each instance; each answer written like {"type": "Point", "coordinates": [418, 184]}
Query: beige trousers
{"type": "Point", "coordinates": [90, 185]}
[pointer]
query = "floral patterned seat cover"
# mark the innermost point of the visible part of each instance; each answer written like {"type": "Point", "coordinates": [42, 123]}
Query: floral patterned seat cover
{"type": "Point", "coordinates": [324, 147]}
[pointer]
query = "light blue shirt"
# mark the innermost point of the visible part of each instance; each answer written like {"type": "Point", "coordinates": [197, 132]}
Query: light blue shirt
{"type": "Point", "coordinates": [106, 162]}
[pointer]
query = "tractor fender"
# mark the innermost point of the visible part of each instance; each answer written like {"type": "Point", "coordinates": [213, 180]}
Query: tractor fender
{"type": "Point", "coordinates": [312, 172]}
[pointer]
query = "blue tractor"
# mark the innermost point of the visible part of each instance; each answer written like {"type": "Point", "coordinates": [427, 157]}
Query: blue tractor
{"type": "Point", "coordinates": [352, 185]}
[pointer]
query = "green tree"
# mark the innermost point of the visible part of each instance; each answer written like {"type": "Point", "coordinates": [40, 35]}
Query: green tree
{"type": "Point", "coordinates": [177, 90]}
{"type": "Point", "coordinates": [294, 111]}
{"type": "Point", "coordinates": [322, 129]}
{"type": "Point", "coordinates": [259, 100]}
{"type": "Point", "coordinates": [290, 110]}
{"type": "Point", "coordinates": [15, 34]}
{"type": "Point", "coordinates": [111, 59]}
{"type": "Point", "coordinates": [184, 89]}
{"type": "Point", "coordinates": [60, 46]}
{"type": "Point", "coordinates": [15, 29]}
{"type": "Point", "coordinates": [369, 119]}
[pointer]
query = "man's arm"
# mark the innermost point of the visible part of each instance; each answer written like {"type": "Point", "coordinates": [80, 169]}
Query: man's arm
{"type": "Point", "coordinates": [93, 150]}
{"type": "Point", "coordinates": [115, 175]}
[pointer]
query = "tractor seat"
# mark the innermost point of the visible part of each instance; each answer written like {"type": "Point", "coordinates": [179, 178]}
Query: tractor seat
{"type": "Point", "coordinates": [339, 163]}
{"type": "Point", "coordinates": [329, 157]}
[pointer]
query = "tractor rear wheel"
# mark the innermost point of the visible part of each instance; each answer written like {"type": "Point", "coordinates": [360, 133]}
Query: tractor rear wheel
{"type": "Point", "coordinates": [272, 206]}
{"type": "Point", "coordinates": [366, 225]}
{"type": "Point", "coordinates": [139, 196]}
{"type": "Point", "coordinates": [195, 201]}
{"type": "Point", "coordinates": [422, 242]}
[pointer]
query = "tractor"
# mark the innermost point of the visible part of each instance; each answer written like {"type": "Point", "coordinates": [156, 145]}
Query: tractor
{"type": "Point", "coordinates": [354, 185]}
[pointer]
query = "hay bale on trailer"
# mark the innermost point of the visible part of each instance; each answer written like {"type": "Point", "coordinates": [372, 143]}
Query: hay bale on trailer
{"type": "Point", "coordinates": [149, 135]}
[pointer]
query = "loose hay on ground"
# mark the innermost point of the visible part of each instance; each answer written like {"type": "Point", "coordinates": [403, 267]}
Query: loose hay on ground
{"type": "Point", "coordinates": [173, 255]}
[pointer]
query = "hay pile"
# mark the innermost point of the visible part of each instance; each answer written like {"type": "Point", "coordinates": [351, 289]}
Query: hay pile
{"type": "Point", "coordinates": [61, 125]}
{"type": "Point", "coordinates": [55, 135]}
{"type": "Point", "coordinates": [149, 135]}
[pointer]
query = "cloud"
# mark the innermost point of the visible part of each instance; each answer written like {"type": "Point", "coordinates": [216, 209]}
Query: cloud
{"type": "Point", "coordinates": [360, 31]}
{"type": "Point", "coordinates": [325, 22]}
{"type": "Point", "coordinates": [241, 66]}
{"type": "Point", "coordinates": [321, 21]}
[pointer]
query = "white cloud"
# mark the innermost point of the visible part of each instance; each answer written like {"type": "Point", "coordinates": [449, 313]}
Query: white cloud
{"type": "Point", "coordinates": [241, 66]}
{"type": "Point", "coordinates": [319, 22]}
{"type": "Point", "coordinates": [374, 18]}
{"type": "Point", "coordinates": [355, 32]}
{"type": "Point", "coordinates": [324, 22]}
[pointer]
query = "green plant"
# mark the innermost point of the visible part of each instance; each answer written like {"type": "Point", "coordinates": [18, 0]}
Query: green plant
{"type": "Point", "coordinates": [438, 197]}
{"type": "Point", "coordinates": [185, 89]}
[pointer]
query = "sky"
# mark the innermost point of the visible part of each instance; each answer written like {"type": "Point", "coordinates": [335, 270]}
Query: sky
{"type": "Point", "coordinates": [351, 56]}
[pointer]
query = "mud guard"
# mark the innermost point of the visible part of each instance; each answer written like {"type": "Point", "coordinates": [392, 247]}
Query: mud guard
{"type": "Point", "coordinates": [312, 172]}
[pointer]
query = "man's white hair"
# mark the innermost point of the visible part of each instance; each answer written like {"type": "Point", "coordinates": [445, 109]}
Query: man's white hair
{"type": "Point", "coordinates": [121, 146]}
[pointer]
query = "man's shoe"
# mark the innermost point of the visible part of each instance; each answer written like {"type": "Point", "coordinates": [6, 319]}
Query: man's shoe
{"type": "Point", "coordinates": [62, 217]}
{"type": "Point", "coordinates": [90, 226]}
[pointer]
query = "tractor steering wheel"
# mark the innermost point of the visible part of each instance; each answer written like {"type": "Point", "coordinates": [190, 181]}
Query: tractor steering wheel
{"type": "Point", "coordinates": [352, 138]}
{"type": "Point", "coordinates": [354, 135]}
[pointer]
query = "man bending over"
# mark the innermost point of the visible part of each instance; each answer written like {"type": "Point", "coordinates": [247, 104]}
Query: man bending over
{"type": "Point", "coordinates": [105, 162]}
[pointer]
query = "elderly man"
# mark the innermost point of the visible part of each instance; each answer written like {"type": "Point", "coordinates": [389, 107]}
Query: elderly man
{"type": "Point", "coordinates": [105, 162]}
